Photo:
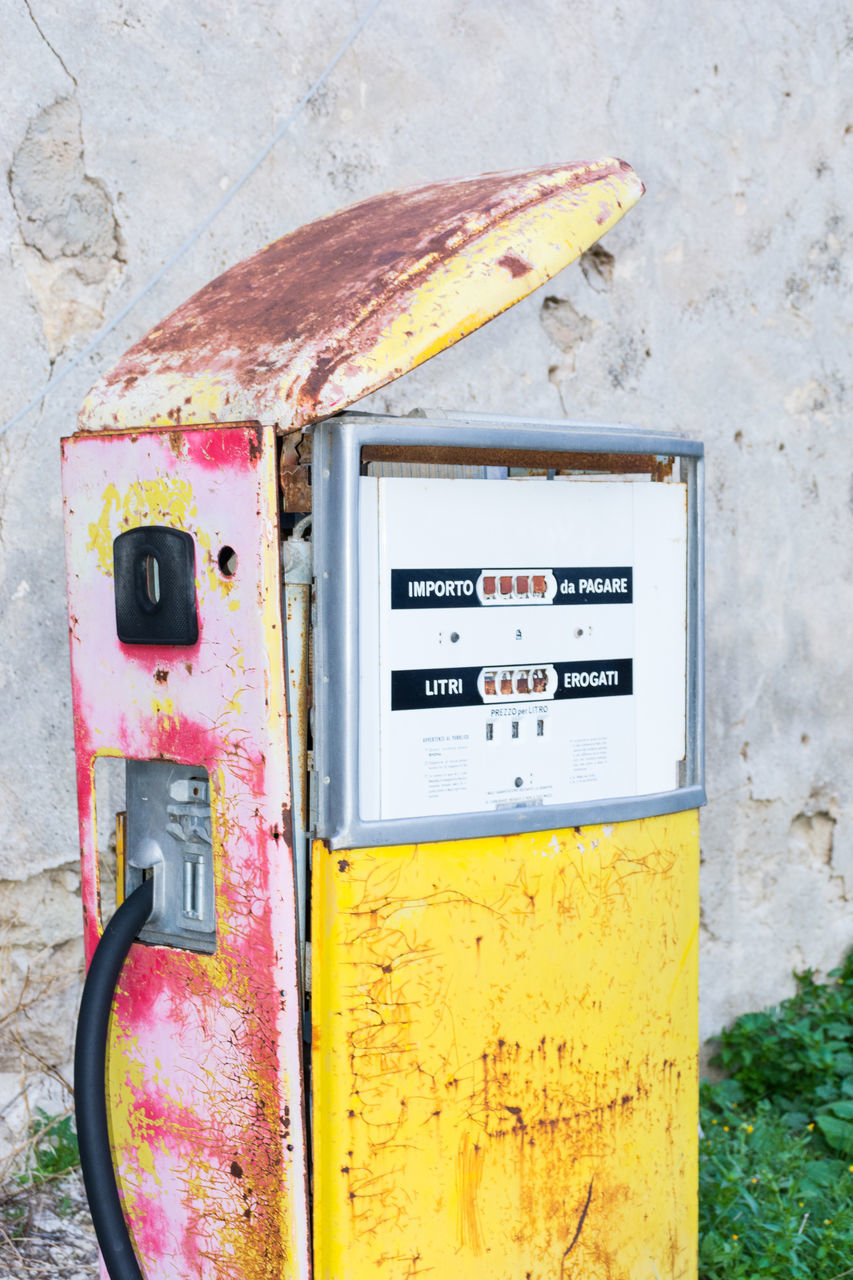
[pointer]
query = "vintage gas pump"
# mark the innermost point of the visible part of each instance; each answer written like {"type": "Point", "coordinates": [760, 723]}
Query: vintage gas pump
{"type": "Point", "coordinates": [395, 724]}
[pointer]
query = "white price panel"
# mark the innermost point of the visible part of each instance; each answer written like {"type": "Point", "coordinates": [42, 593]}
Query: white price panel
{"type": "Point", "coordinates": [521, 642]}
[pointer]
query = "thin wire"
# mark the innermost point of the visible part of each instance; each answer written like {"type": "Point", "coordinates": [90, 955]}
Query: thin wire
{"type": "Point", "coordinates": [188, 244]}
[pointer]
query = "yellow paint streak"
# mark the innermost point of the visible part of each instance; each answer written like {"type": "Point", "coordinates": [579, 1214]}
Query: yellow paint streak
{"type": "Point", "coordinates": [692, 945]}
{"type": "Point", "coordinates": [466, 290]}
{"type": "Point", "coordinates": [504, 1057]}
{"type": "Point", "coordinates": [218, 970]}
{"type": "Point", "coordinates": [121, 856]}
{"type": "Point", "coordinates": [100, 537]}
{"type": "Point", "coordinates": [164, 714]}
{"type": "Point", "coordinates": [234, 705]}
{"type": "Point", "coordinates": [293, 1223]}
{"type": "Point", "coordinates": [131, 1132]}
{"type": "Point", "coordinates": [114, 753]}
{"type": "Point", "coordinates": [166, 500]}
{"type": "Point", "coordinates": [206, 394]}
{"type": "Point", "coordinates": [216, 583]}
{"type": "Point", "coordinates": [469, 1176]}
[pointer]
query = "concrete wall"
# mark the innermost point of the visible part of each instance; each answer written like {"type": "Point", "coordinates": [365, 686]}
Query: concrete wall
{"type": "Point", "coordinates": [720, 308]}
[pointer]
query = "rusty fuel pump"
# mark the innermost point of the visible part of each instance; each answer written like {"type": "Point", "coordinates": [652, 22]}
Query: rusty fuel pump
{"type": "Point", "coordinates": [388, 737]}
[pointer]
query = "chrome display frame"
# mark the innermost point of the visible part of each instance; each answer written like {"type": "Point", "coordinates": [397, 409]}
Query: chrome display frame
{"type": "Point", "coordinates": [336, 468]}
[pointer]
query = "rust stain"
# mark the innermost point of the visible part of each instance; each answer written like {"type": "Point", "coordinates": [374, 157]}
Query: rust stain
{"type": "Point", "coordinates": [515, 265]}
{"type": "Point", "coordinates": [175, 438]}
{"type": "Point", "coordinates": [256, 442]}
{"type": "Point", "coordinates": [563, 462]}
{"type": "Point", "coordinates": [296, 488]}
{"type": "Point", "coordinates": [307, 303]}
{"type": "Point", "coordinates": [161, 675]}
{"type": "Point", "coordinates": [295, 472]}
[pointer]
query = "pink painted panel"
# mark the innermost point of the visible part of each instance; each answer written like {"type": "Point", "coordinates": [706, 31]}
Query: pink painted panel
{"type": "Point", "coordinates": [207, 1112]}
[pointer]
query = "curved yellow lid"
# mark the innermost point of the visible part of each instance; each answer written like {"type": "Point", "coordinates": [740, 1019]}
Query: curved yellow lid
{"type": "Point", "coordinates": [344, 305]}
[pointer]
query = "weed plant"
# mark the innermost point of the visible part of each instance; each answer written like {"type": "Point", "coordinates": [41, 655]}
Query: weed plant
{"type": "Point", "coordinates": [776, 1152]}
{"type": "Point", "coordinates": [50, 1152]}
{"type": "Point", "coordinates": [55, 1149]}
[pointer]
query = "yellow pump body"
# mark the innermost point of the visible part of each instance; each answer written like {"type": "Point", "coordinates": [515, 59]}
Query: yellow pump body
{"type": "Point", "coordinates": [504, 1053]}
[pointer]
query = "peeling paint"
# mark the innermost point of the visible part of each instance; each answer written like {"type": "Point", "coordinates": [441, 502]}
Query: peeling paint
{"type": "Point", "coordinates": [343, 306]}
{"type": "Point", "coordinates": [204, 1066]}
{"type": "Point", "coordinates": [504, 1060]}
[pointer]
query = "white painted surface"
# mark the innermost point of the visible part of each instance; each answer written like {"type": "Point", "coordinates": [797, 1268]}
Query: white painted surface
{"type": "Point", "coordinates": [467, 731]}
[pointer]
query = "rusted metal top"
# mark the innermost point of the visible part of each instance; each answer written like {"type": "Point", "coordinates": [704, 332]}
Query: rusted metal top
{"type": "Point", "coordinates": [344, 305]}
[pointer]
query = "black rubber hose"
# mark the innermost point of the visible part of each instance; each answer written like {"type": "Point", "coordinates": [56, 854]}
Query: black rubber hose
{"type": "Point", "coordinates": [90, 1084]}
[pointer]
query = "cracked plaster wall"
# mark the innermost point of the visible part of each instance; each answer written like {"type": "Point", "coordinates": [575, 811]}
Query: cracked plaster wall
{"type": "Point", "coordinates": [69, 242]}
{"type": "Point", "coordinates": [721, 308]}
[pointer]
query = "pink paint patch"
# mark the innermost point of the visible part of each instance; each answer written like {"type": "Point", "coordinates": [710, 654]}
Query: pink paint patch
{"type": "Point", "coordinates": [153, 657]}
{"type": "Point", "coordinates": [215, 450]}
{"type": "Point", "coordinates": [162, 1232]}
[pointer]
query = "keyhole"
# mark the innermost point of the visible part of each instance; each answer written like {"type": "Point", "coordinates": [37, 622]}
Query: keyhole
{"type": "Point", "coordinates": [151, 578]}
{"type": "Point", "coordinates": [227, 561]}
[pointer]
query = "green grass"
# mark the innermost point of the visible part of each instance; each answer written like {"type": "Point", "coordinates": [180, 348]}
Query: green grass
{"type": "Point", "coordinates": [776, 1158]}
